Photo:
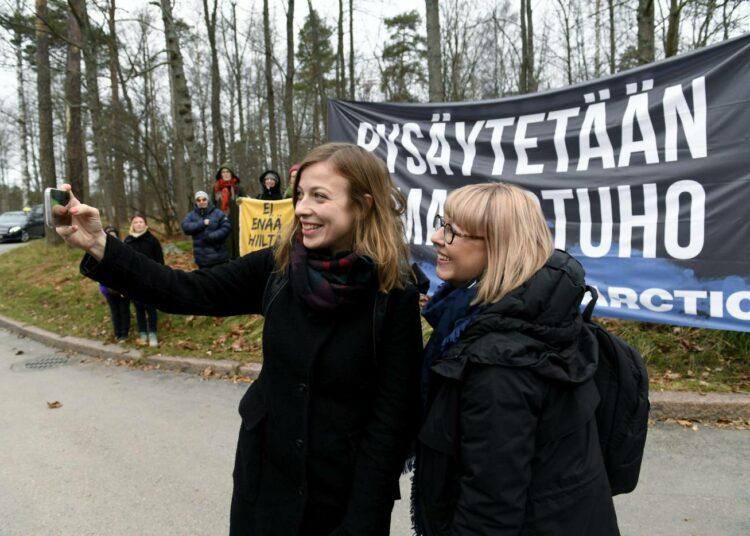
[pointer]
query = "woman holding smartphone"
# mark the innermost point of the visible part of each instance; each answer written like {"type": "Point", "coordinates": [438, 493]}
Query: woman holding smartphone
{"type": "Point", "coordinates": [326, 426]}
{"type": "Point", "coordinates": [509, 443]}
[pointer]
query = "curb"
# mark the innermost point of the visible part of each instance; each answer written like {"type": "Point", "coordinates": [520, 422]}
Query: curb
{"type": "Point", "coordinates": [204, 367]}
{"type": "Point", "coordinates": [664, 404]}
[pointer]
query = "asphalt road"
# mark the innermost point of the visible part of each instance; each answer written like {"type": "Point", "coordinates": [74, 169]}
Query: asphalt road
{"type": "Point", "coordinates": [150, 452]}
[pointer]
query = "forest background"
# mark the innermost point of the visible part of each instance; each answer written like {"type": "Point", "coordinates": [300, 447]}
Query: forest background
{"type": "Point", "coordinates": [137, 103]}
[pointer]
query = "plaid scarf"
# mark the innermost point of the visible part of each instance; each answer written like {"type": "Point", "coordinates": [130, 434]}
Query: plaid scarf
{"type": "Point", "coordinates": [326, 283]}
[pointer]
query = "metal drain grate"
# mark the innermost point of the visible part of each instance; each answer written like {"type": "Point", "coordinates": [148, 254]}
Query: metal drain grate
{"type": "Point", "coordinates": [46, 362]}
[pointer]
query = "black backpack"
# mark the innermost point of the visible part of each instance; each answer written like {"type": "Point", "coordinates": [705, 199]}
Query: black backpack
{"type": "Point", "coordinates": [622, 414]}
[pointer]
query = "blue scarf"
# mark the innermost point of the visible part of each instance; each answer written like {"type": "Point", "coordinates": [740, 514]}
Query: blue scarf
{"type": "Point", "coordinates": [448, 312]}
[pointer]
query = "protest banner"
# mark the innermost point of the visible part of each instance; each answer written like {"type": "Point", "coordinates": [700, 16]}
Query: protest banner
{"type": "Point", "coordinates": [643, 176]}
{"type": "Point", "coordinates": [261, 222]}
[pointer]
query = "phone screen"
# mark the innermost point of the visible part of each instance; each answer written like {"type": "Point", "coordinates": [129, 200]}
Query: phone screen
{"type": "Point", "coordinates": [54, 201]}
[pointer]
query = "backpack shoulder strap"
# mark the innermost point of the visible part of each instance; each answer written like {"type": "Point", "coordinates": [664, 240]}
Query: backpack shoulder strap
{"type": "Point", "coordinates": [589, 310]}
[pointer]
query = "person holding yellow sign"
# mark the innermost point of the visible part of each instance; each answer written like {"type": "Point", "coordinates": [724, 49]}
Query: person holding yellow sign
{"type": "Point", "coordinates": [327, 425]}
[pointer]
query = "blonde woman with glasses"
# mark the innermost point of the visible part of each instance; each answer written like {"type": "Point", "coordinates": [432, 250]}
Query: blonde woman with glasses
{"type": "Point", "coordinates": [508, 442]}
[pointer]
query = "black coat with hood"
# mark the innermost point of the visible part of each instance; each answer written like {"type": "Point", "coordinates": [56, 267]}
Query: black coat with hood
{"type": "Point", "coordinates": [509, 443]}
{"type": "Point", "coordinates": [270, 194]}
{"type": "Point", "coordinates": [326, 426]}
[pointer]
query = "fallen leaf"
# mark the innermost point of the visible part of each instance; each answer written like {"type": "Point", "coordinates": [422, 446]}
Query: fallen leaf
{"type": "Point", "coordinates": [207, 372]}
{"type": "Point", "coordinates": [683, 422]}
{"type": "Point", "coordinates": [54, 405]}
{"type": "Point", "coordinates": [19, 352]}
{"type": "Point", "coordinates": [695, 428]}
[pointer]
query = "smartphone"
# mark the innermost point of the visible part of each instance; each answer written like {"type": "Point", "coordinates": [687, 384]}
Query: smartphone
{"type": "Point", "coordinates": [54, 201]}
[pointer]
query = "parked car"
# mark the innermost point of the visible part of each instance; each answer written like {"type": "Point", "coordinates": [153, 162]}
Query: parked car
{"type": "Point", "coordinates": [21, 226]}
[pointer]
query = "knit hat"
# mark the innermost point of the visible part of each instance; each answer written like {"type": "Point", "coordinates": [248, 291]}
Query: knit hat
{"type": "Point", "coordinates": [292, 169]}
{"type": "Point", "coordinates": [200, 194]}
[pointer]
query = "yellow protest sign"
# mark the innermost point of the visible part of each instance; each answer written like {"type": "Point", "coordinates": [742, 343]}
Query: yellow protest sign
{"type": "Point", "coordinates": [261, 222]}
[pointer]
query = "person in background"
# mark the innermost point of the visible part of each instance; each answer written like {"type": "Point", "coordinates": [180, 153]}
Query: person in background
{"type": "Point", "coordinates": [270, 186]}
{"type": "Point", "coordinates": [327, 425]}
{"type": "Point", "coordinates": [291, 177]}
{"type": "Point", "coordinates": [141, 240]}
{"type": "Point", "coordinates": [227, 189]}
{"type": "Point", "coordinates": [508, 443]}
{"type": "Point", "coordinates": [209, 228]}
{"type": "Point", "coordinates": [119, 305]}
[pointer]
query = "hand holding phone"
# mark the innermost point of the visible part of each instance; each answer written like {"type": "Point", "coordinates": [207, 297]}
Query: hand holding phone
{"type": "Point", "coordinates": [55, 207]}
{"type": "Point", "coordinates": [83, 229]}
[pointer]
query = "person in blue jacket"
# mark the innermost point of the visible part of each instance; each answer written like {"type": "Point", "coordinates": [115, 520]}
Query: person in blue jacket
{"type": "Point", "coordinates": [209, 227]}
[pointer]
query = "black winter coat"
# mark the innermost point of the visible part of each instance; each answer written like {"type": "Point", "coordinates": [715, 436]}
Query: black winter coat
{"type": "Point", "coordinates": [209, 241]}
{"type": "Point", "coordinates": [509, 445]}
{"type": "Point", "coordinates": [147, 244]}
{"type": "Point", "coordinates": [325, 428]}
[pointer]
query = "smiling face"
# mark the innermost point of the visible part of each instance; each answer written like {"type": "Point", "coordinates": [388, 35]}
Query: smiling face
{"type": "Point", "coordinates": [269, 181]}
{"type": "Point", "coordinates": [226, 175]}
{"type": "Point", "coordinates": [461, 261]}
{"type": "Point", "coordinates": [139, 224]}
{"type": "Point", "coordinates": [324, 208]}
{"type": "Point", "coordinates": [201, 202]}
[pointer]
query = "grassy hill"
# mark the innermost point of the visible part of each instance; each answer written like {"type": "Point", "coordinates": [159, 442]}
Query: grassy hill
{"type": "Point", "coordinates": [41, 285]}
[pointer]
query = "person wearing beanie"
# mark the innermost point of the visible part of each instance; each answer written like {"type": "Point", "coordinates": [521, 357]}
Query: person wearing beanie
{"type": "Point", "coordinates": [270, 186]}
{"type": "Point", "coordinates": [141, 240]}
{"type": "Point", "coordinates": [291, 176]}
{"type": "Point", "coordinates": [209, 227]}
{"type": "Point", "coordinates": [119, 305]}
{"type": "Point", "coordinates": [227, 189]}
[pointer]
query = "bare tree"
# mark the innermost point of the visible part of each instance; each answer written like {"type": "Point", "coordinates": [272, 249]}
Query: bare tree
{"type": "Point", "coordinates": [434, 53]}
{"type": "Point", "coordinates": [351, 49]}
{"type": "Point", "coordinates": [527, 75]}
{"type": "Point", "coordinates": [340, 66]}
{"type": "Point", "coordinates": [74, 147]}
{"type": "Point", "coordinates": [219, 145]}
{"type": "Point", "coordinates": [23, 112]}
{"type": "Point", "coordinates": [182, 113]}
{"type": "Point", "coordinates": [289, 85]}
{"type": "Point", "coordinates": [646, 52]}
{"type": "Point", "coordinates": [268, 48]}
{"type": "Point", "coordinates": [44, 99]}
{"type": "Point", "coordinates": [118, 173]}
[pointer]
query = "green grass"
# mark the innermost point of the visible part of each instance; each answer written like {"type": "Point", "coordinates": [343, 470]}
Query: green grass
{"type": "Point", "coordinates": [41, 285]}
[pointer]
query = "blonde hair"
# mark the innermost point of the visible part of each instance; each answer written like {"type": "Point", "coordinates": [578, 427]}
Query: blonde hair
{"type": "Point", "coordinates": [378, 229]}
{"type": "Point", "coordinates": [516, 236]}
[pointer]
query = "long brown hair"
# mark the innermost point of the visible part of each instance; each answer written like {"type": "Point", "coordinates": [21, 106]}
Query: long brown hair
{"type": "Point", "coordinates": [516, 236]}
{"type": "Point", "coordinates": [378, 229]}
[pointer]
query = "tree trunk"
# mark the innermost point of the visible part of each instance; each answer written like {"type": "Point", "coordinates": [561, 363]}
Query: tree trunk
{"type": "Point", "coordinates": [220, 145]}
{"type": "Point", "coordinates": [672, 40]}
{"type": "Point", "coordinates": [268, 46]}
{"type": "Point", "coordinates": [612, 49]}
{"type": "Point", "coordinates": [434, 54]}
{"type": "Point", "coordinates": [101, 143]}
{"type": "Point", "coordinates": [598, 39]}
{"type": "Point", "coordinates": [74, 147]}
{"type": "Point", "coordinates": [645, 31]}
{"type": "Point", "coordinates": [182, 113]}
{"type": "Point", "coordinates": [23, 114]}
{"type": "Point", "coordinates": [351, 49]}
{"type": "Point", "coordinates": [117, 176]}
{"type": "Point", "coordinates": [340, 64]}
{"type": "Point", "coordinates": [44, 99]}
{"type": "Point", "coordinates": [289, 86]}
{"type": "Point", "coordinates": [238, 78]}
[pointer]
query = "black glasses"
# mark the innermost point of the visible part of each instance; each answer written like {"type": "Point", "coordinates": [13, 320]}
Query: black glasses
{"type": "Point", "coordinates": [449, 233]}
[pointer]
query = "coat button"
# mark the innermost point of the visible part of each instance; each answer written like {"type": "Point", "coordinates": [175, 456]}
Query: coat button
{"type": "Point", "coordinates": [302, 387]}
{"type": "Point", "coordinates": [300, 490]}
{"type": "Point", "coordinates": [300, 443]}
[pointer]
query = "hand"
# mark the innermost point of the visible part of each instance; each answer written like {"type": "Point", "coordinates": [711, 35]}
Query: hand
{"type": "Point", "coordinates": [85, 230]}
{"type": "Point", "coordinates": [206, 222]}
